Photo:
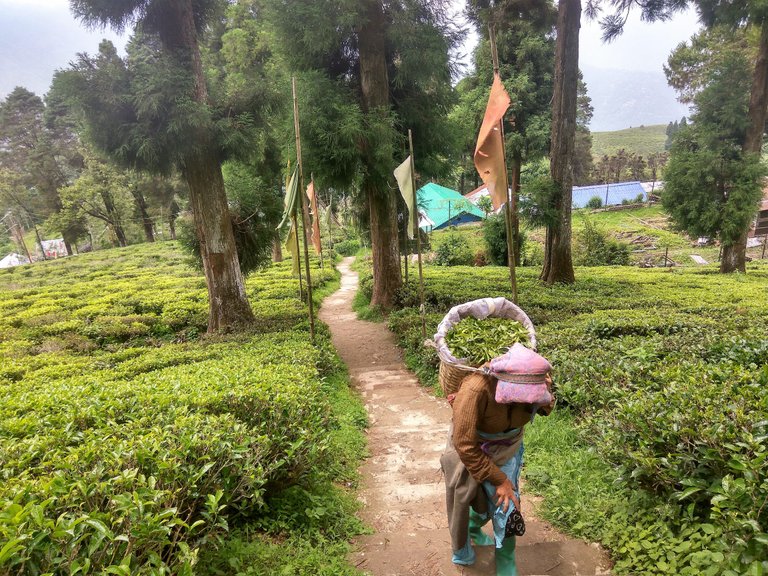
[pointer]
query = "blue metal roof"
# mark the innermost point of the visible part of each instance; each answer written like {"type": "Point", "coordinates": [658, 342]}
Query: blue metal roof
{"type": "Point", "coordinates": [616, 192]}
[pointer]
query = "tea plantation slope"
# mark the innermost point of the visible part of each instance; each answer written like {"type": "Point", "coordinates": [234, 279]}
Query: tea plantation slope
{"type": "Point", "coordinates": [130, 445]}
{"type": "Point", "coordinates": [659, 446]}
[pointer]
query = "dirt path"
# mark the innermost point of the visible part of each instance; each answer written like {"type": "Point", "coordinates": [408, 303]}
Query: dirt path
{"type": "Point", "coordinates": [403, 491]}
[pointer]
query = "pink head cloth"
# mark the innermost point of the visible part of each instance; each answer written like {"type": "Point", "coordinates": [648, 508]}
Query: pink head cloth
{"type": "Point", "coordinates": [522, 377]}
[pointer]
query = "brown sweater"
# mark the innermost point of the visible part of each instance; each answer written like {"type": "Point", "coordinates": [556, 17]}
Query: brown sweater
{"type": "Point", "coordinates": [475, 408]}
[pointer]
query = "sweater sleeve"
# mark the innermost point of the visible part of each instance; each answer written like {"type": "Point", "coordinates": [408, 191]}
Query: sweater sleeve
{"type": "Point", "coordinates": [468, 409]}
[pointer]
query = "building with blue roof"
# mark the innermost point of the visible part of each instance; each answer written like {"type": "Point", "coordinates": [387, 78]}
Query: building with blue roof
{"type": "Point", "coordinates": [609, 194]}
{"type": "Point", "coordinates": [440, 207]}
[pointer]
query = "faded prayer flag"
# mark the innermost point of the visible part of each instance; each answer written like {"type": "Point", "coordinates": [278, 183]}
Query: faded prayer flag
{"type": "Point", "coordinates": [289, 210]}
{"type": "Point", "coordinates": [404, 179]}
{"type": "Point", "coordinates": [315, 217]}
{"type": "Point", "coordinates": [489, 152]}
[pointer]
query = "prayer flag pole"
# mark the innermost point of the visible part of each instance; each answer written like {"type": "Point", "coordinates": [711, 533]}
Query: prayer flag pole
{"type": "Point", "coordinates": [405, 245]}
{"type": "Point", "coordinates": [330, 224]}
{"type": "Point", "coordinates": [303, 206]}
{"type": "Point", "coordinates": [416, 231]}
{"type": "Point", "coordinates": [510, 212]}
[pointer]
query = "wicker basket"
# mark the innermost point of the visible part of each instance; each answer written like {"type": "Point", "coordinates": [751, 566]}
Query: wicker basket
{"type": "Point", "coordinates": [453, 370]}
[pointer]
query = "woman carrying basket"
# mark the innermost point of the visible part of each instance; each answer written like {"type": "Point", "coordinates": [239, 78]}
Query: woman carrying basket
{"type": "Point", "coordinates": [485, 452]}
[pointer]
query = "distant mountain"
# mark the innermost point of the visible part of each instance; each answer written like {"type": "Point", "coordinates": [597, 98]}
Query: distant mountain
{"type": "Point", "coordinates": [38, 39]}
{"type": "Point", "coordinates": [624, 98]}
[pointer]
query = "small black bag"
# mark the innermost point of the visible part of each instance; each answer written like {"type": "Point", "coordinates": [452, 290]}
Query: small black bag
{"type": "Point", "coordinates": [515, 524]}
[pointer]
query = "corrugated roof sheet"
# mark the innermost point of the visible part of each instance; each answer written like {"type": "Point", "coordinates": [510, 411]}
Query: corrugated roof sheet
{"type": "Point", "coordinates": [615, 193]}
{"type": "Point", "coordinates": [442, 204]}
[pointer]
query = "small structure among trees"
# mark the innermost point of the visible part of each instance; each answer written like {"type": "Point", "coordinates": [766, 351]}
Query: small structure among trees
{"type": "Point", "coordinates": [446, 207]}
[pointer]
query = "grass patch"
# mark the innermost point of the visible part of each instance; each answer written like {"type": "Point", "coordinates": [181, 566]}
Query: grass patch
{"type": "Point", "coordinates": [251, 553]}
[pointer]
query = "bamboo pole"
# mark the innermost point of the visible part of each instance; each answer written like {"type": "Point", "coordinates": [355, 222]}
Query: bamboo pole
{"type": "Point", "coordinates": [510, 212]}
{"type": "Point", "coordinates": [303, 206]}
{"type": "Point", "coordinates": [415, 216]}
{"type": "Point", "coordinates": [405, 246]}
{"type": "Point", "coordinates": [298, 252]}
{"type": "Point", "coordinates": [16, 224]}
{"type": "Point", "coordinates": [330, 229]}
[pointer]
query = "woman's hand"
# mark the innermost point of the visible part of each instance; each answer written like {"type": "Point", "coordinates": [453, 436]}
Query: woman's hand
{"type": "Point", "coordinates": [505, 493]}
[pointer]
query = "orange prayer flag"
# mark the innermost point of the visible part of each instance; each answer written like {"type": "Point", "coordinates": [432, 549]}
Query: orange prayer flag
{"type": "Point", "coordinates": [315, 217]}
{"type": "Point", "coordinates": [489, 152]}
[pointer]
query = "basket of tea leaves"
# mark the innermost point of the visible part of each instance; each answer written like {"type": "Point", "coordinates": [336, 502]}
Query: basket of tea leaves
{"type": "Point", "coordinates": [474, 333]}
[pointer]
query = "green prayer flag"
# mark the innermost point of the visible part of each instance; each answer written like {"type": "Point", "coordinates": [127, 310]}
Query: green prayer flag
{"type": "Point", "coordinates": [290, 245]}
{"type": "Point", "coordinates": [291, 198]}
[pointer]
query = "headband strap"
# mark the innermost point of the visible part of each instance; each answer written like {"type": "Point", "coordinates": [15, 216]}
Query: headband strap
{"type": "Point", "coordinates": [520, 378]}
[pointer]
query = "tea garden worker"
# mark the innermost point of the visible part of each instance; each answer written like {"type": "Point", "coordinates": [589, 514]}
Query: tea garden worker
{"type": "Point", "coordinates": [485, 453]}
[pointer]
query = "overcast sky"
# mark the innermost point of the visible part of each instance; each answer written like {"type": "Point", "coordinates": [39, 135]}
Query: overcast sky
{"type": "Point", "coordinates": [642, 46]}
{"type": "Point", "coordinates": [39, 36]}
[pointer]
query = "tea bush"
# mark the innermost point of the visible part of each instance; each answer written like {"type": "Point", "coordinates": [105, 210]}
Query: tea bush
{"type": "Point", "coordinates": [660, 449]}
{"type": "Point", "coordinates": [129, 445]}
{"type": "Point", "coordinates": [454, 250]}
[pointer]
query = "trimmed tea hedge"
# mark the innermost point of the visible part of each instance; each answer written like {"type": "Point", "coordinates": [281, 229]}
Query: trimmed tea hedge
{"type": "Point", "coordinates": [666, 372]}
{"type": "Point", "coordinates": [127, 443]}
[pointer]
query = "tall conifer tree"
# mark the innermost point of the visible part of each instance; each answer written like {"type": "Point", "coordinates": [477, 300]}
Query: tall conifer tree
{"type": "Point", "coordinates": [734, 14]}
{"type": "Point", "coordinates": [368, 71]}
{"type": "Point", "coordinates": [176, 132]}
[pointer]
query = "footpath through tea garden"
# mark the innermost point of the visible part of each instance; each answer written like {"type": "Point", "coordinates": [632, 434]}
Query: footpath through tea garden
{"type": "Point", "coordinates": [402, 491]}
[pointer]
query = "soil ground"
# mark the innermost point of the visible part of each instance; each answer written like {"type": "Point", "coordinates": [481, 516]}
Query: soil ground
{"type": "Point", "coordinates": [403, 493]}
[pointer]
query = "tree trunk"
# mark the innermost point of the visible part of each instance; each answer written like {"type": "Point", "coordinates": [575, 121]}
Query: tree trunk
{"type": "Point", "coordinates": [277, 249]}
{"type": "Point", "coordinates": [141, 207]}
{"type": "Point", "coordinates": [374, 87]}
{"type": "Point", "coordinates": [68, 245]}
{"type": "Point", "coordinates": [173, 214]}
{"type": "Point", "coordinates": [758, 98]}
{"type": "Point", "coordinates": [386, 263]}
{"type": "Point", "coordinates": [172, 226]}
{"type": "Point", "coordinates": [114, 218]}
{"type": "Point", "coordinates": [558, 264]}
{"type": "Point", "coordinates": [228, 305]}
{"type": "Point", "coordinates": [735, 255]}
{"type": "Point", "coordinates": [517, 164]}
{"type": "Point", "coordinates": [40, 241]}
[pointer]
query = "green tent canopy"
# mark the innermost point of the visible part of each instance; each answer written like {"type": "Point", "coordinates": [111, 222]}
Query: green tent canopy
{"type": "Point", "coordinates": [440, 207]}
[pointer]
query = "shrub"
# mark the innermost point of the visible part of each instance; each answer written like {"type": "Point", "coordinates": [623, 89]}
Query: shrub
{"type": "Point", "coordinates": [453, 251]}
{"type": "Point", "coordinates": [595, 248]}
{"type": "Point", "coordinates": [495, 237]}
{"type": "Point", "coordinates": [594, 203]}
{"type": "Point", "coordinates": [347, 247]}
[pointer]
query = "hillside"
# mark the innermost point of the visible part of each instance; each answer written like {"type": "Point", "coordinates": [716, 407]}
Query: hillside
{"type": "Point", "coordinates": [642, 140]}
{"type": "Point", "coordinates": [647, 229]}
